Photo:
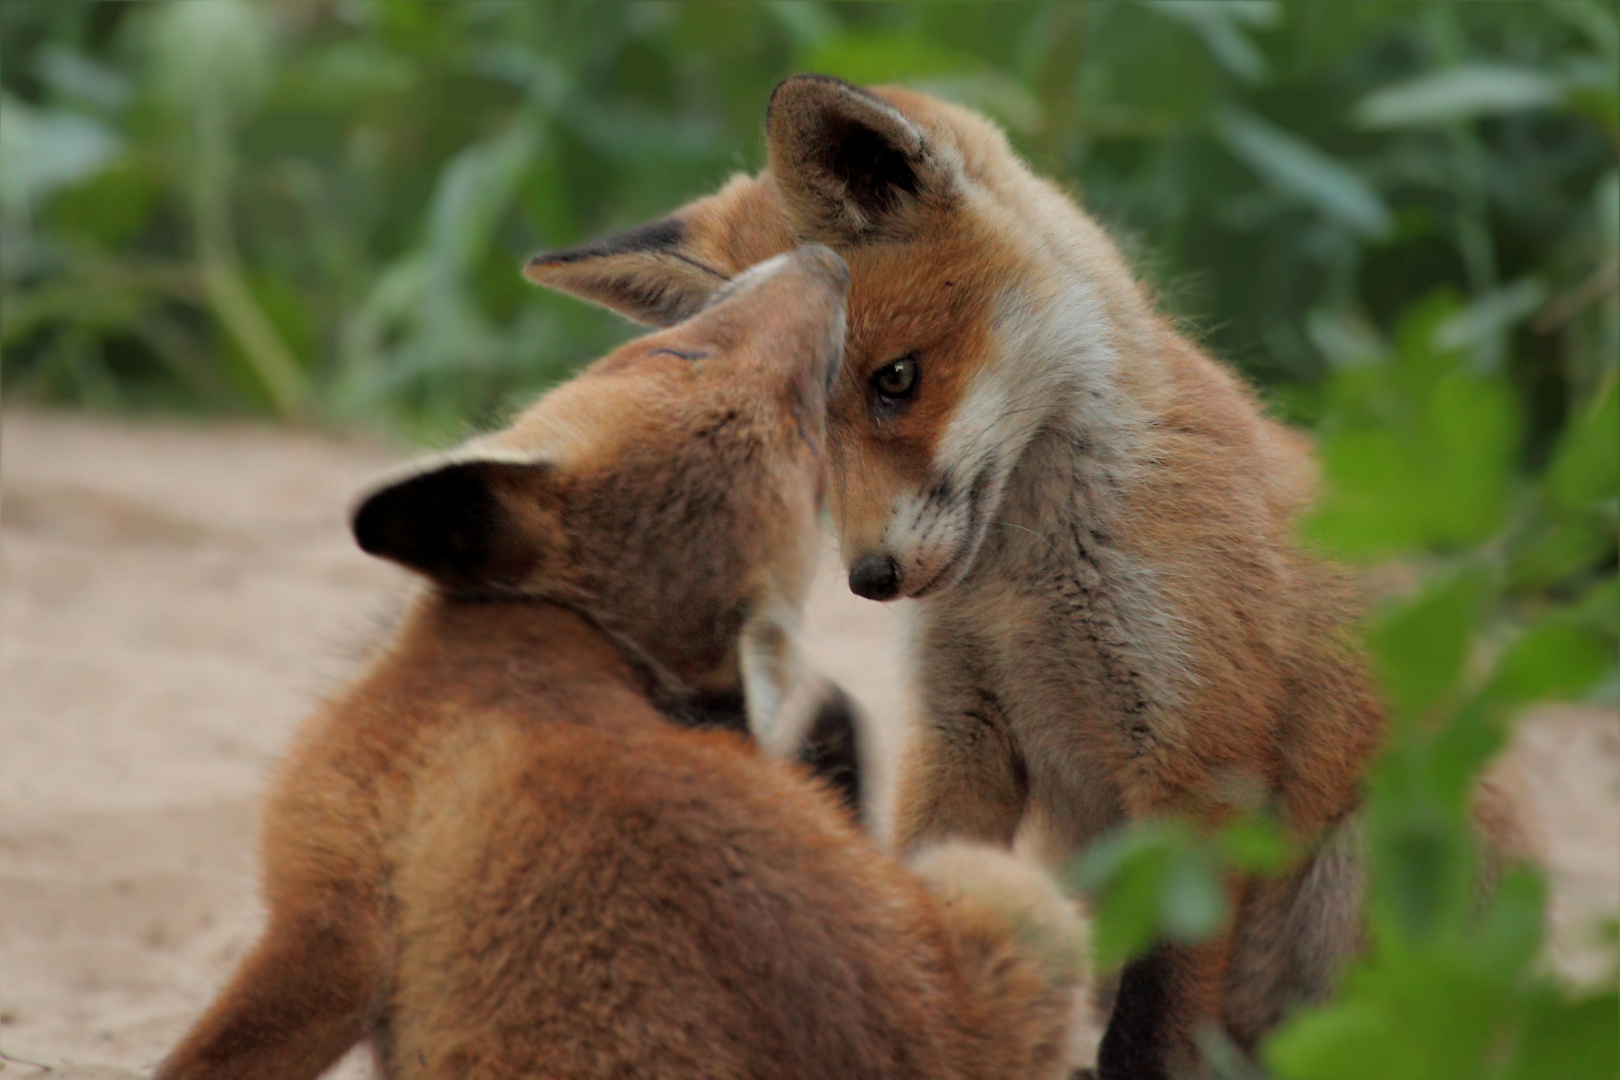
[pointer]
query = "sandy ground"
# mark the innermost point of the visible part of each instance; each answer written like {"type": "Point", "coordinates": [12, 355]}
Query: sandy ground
{"type": "Point", "coordinates": [174, 599]}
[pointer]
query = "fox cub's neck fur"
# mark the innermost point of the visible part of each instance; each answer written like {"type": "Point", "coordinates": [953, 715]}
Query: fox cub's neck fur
{"type": "Point", "coordinates": [519, 656]}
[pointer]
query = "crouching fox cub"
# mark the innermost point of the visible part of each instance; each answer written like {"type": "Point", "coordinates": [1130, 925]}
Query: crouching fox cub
{"type": "Point", "coordinates": [1094, 517]}
{"type": "Point", "coordinates": [513, 850]}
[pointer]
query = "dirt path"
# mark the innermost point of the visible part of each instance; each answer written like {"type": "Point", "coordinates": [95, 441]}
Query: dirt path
{"type": "Point", "coordinates": [172, 602]}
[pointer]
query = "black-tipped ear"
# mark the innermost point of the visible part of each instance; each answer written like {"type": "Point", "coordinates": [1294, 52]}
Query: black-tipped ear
{"type": "Point", "coordinates": [850, 166]}
{"type": "Point", "coordinates": [470, 524]}
{"type": "Point", "coordinates": [644, 274]}
{"type": "Point", "coordinates": [832, 747]}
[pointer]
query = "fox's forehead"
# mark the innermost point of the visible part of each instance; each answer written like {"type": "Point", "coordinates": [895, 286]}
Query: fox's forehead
{"type": "Point", "coordinates": [925, 295]}
{"type": "Point", "coordinates": [903, 296]}
{"type": "Point", "coordinates": [586, 422]}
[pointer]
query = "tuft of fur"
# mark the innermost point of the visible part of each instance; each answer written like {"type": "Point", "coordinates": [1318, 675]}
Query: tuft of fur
{"type": "Point", "coordinates": [1097, 520]}
{"type": "Point", "coordinates": [517, 847]}
{"type": "Point", "coordinates": [987, 890]}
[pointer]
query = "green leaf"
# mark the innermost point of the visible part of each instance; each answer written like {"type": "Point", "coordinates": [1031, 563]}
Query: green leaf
{"type": "Point", "coordinates": [877, 57]}
{"type": "Point", "coordinates": [1418, 866]}
{"type": "Point", "coordinates": [1473, 435]}
{"type": "Point", "coordinates": [1554, 550]}
{"type": "Point", "coordinates": [1460, 93]}
{"type": "Point", "coordinates": [475, 188]}
{"type": "Point", "coordinates": [1346, 338]}
{"type": "Point", "coordinates": [1514, 926]}
{"type": "Point", "coordinates": [1423, 1016]}
{"type": "Point", "coordinates": [1568, 1039]}
{"type": "Point", "coordinates": [1420, 647]}
{"type": "Point", "coordinates": [1586, 467]}
{"type": "Point", "coordinates": [1217, 24]}
{"type": "Point", "coordinates": [1601, 606]}
{"type": "Point", "coordinates": [1419, 453]}
{"type": "Point", "coordinates": [1163, 879]}
{"type": "Point", "coordinates": [1559, 657]}
{"type": "Point", "coordinates": [1295, 167]}
{"type": "Point", "coordinates": [214, 56]}
{"type": "Point", "coordinates": [1257, 844]}
{"type": "Point", "coordinates": [77, 77]}
{"type": "Point", "coordinates": [1490, 314]}
{"type": "Point", "coordinates": [1127, 872]}
{"type": "Point", "coordinates": [110, 207]}
{"type": "Point", "coordinates": [1149, 880]}
{"type": "Point", "coordinates": [1192, 902]}
{"type": "Point", "coordinates": [44, 150]}
{"type": "Point", "coordinates": [1461, 750]}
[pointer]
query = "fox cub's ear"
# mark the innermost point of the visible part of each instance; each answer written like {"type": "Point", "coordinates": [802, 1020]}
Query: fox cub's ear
{"type": "Point", "coordinates": [470, 524]}
{"type": "Point", "coordinates": [647, 274]}
{"type": "Point", "coordinates": [848, 165]}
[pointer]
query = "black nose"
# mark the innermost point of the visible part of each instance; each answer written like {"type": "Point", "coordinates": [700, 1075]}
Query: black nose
{"type": "Point", "coordinates": [876, 577]}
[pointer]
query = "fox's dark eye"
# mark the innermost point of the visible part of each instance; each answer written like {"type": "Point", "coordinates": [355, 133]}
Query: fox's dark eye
{"type": "Point", "coordinates": [897, 379]}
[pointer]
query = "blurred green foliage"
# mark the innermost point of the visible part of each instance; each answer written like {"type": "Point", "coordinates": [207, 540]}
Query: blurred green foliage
{"type": "Point", "coordinates": [1401, 220]}
{"type": "Point", "coordinates": [1422, 451]}
{"type": "Point", "coordinates": [1517, 602]}
{"type": "Point", "coordinates": [319, 208]}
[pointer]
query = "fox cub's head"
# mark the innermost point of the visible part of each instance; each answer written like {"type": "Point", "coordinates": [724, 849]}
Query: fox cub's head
{"type": "Point", "coordinates": [968, 276]}
{"type": "Point", "coordinates": [671, 490]}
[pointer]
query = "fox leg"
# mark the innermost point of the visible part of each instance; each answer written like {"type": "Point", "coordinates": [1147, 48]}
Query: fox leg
{"type": "Point", "coordinates": [299, 1000]}
{"type": "Point", "coordinates": [964, 777]}
{"type": "Point", "coordinates": [1165, 998]}
{"type": "Point", "coordinates": [1294, 936]}
{"type": "Point", "coordinates": [1287, 941]}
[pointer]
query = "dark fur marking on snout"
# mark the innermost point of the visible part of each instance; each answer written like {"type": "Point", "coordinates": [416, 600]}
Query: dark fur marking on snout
{"type": "Point", "coordinates": [976, 494]}
{"type": "Point", "coordinates": [698, 354]}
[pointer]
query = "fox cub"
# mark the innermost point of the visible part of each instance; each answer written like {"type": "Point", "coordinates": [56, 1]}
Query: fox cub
{"type": "Point", "coordinates": [1094, 517]}
{"type": "Point", "coordinates": [512, 849]}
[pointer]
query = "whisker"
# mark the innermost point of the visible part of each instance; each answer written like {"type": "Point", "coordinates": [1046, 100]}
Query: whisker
{"type": "Point", "coordinates": [1051, 547]}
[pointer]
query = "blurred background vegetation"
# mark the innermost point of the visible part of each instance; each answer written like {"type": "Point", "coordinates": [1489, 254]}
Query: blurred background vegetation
{"type": "Point", "coordinates": [1401, 221]}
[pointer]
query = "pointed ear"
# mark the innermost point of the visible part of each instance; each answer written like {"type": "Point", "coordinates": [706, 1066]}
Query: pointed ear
{"type": "Point", "coordinates": [649, 274]}
{"type": "Point", "coordinates": [848, 165]}
{"type": "Point", "coordinates": [469, 524]}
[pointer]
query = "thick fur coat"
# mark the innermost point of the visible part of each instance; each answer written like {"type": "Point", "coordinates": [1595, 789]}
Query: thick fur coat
{"type": "Point", "coordinates": [517, 847]}
{"type": "Point", "coordinates": [1096, 519]}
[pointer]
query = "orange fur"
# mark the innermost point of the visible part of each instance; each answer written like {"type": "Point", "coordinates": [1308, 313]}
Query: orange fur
{"type": "Point", "coordinates": [496, 855]}
{"type": "Point", "coordinates": [1096, 518]}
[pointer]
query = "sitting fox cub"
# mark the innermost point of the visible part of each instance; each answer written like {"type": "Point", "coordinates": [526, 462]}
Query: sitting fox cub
{"type": "Point", "coordinates": [1096, 519]}
{"type": "Point", "coordinates": [496, 856]}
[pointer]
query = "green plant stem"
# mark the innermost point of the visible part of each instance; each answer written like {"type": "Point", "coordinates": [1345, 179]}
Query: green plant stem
{"type": "Point", "coordinates": [223, 281]}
